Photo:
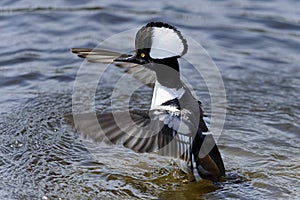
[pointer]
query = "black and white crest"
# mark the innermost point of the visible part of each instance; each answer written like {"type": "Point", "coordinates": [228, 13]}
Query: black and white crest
{"type": "Point", "coordinates": [161, 40]}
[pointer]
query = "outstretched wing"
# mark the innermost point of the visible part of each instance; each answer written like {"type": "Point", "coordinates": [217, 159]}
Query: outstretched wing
{"type": "Point", "coordinates": [162, 131]}
{"type": "Point", "coordinates": [141, 131]}
{"type": "Point", "coordinates": [105, 56]}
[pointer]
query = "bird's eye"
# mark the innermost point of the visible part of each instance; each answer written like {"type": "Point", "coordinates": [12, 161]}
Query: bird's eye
{"type": "Point", "coordinates": [143, 55]}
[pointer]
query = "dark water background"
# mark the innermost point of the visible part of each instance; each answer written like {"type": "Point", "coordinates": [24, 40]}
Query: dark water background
{"type": "Point", "coordinates": [255, 44]}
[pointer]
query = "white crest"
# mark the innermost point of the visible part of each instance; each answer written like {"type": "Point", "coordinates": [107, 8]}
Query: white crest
{"type": "Point", "coordinates": [165, 43]}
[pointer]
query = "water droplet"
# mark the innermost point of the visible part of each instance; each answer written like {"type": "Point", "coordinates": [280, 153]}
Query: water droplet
{"type": "Point", "coordinates": [44, 198]}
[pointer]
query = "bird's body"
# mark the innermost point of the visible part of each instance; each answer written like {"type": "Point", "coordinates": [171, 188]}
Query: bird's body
{"type": "Point", "coordinates": [174, 125]}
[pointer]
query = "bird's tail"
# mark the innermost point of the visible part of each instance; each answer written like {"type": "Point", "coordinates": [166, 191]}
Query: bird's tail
{"type": "Point", "coordinates": [206, 160]}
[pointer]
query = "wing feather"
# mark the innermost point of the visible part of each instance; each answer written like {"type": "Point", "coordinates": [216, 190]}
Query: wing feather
{"type": "Point", "coordinates": [139, 72]}
{"type": "Point", "coordinates": [147, 131]}
{"type": "Point", "coordinates": [144, 133]}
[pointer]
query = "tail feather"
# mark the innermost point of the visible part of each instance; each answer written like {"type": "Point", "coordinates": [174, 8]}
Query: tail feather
{"type": "Point", "coordinates": [207, 163]}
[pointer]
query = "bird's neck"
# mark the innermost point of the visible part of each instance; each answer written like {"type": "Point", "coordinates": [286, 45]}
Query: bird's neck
{"type": "Point", "coordinates": [167, 72]}
{"type": "Point", "coordinates": [168, 85]}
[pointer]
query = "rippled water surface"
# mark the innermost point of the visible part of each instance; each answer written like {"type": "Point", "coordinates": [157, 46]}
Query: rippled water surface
{"type": "Point", "coordinates": [256, 46]}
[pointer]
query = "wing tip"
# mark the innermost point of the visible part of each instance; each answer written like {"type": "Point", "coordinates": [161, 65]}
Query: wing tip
{"type": "Point", "coordinates": [75, 50]}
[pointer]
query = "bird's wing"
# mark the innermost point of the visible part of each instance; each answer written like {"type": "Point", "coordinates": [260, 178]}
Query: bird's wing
{"type": "Point", "coordinates": [162, 131]}
{"type": "Point", "coordinates": [107, 57]}
{"type": "Point", "coordinates": [142, 131]}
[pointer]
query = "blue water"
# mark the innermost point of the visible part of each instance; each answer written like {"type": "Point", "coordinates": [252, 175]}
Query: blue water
{"type": "Point", "coordinates": [256, 46]}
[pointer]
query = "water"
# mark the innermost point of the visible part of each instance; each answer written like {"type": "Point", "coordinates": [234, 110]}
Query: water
{"type": "Point", "coordinates": [255, 44]}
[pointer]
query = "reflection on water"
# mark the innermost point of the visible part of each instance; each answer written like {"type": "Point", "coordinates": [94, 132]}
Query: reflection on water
{"type": "Point", "coordinates": [255, 45]}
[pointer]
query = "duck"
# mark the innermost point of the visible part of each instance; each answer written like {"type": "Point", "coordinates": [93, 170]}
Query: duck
{"type": "Point", "coordinates": [174, 125]}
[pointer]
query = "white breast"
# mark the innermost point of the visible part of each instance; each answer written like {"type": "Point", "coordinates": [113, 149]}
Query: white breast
{"type": "Point", "coordinates": [162, 94]}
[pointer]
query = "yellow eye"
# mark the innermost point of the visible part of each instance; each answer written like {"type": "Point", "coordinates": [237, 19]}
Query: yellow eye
{"type": "Point", "coordinates": [143, 55]}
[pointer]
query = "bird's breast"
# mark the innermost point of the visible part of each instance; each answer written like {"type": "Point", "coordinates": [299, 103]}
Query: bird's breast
{"type": "Point", "coordinates": [162, 94]}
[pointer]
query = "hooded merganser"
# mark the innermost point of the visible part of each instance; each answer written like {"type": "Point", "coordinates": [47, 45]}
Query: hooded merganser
{"type": "Point", "coordinates": [174, 125]}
